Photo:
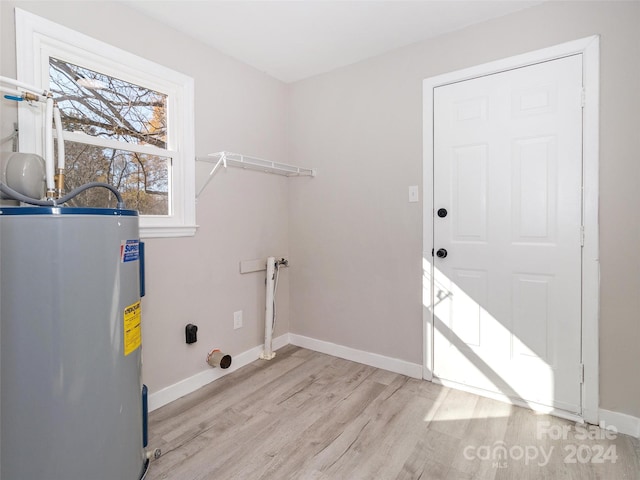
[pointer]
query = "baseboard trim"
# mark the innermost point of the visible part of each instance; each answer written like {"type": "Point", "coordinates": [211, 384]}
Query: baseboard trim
{"type": "Point", "coordinates": [623, 423]}
{"type": "Point", "coordinates": [395, 365]}
{"type": "Point", "coordinates": [200, 379]}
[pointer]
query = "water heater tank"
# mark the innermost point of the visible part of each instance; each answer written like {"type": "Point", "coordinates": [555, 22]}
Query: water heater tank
{"type": "Point", "coordinates": [70, 337]}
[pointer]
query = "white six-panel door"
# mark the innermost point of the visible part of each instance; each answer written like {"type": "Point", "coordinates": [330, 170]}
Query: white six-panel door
{"type": "Point", "coordinates": [508, 172]}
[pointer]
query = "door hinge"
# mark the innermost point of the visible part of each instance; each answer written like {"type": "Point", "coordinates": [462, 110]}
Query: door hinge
{"type": "Point", "coordinates": [583, 97]}
{"type": "Point", "coordinates": [581, 373]}
{"type": "Point", "coordinates": [582, 235]}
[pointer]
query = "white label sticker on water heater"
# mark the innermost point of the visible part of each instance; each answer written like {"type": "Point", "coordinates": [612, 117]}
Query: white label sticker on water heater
{"type": "Point", "coordinates": [129, 250]}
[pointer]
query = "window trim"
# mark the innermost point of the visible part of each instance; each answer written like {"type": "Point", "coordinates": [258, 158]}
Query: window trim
{"type": "Point", "coordinates": [38, 38]}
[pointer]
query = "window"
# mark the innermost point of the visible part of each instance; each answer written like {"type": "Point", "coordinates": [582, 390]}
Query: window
{"type": "Point", "coordinates": [127, 121]}
{"type": "Point", "coordinates": [103, 107]}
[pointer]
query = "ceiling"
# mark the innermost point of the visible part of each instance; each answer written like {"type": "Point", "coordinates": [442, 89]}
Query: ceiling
{"type": "Point", "coordinates": [293, 40]}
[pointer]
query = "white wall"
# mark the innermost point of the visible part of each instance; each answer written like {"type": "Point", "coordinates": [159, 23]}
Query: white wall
{"type": "Point", "coordinates": [355, 240]}
{"type": "Point", "coordinates": [242, 215]}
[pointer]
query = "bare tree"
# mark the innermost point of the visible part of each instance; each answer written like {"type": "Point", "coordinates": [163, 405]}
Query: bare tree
{"type": "Point", "coordinates": [103, 106]}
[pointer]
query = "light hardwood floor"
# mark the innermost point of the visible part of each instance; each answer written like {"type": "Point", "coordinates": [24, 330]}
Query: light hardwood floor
{"type": "Point", "coordinates": [309, 416]}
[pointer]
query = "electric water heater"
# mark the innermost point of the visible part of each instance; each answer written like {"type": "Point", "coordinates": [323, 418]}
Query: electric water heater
{"type": "Point", "coordinates": [71, 398]}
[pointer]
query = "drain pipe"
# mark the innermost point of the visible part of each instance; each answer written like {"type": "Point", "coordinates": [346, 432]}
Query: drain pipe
{"type": "Point", "coordinates": [215, 358]}
{"type": "Point", "coordinates": [268, 353]}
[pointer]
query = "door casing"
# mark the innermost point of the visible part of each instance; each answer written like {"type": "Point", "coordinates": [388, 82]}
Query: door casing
{"type": "Point", "coordinates": [589, 47]}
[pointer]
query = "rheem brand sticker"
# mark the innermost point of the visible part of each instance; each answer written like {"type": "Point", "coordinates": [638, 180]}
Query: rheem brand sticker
{"type": "Point", "coordinates": [132, 328]}
{"type": "Point", "coordinates": [129, 250]}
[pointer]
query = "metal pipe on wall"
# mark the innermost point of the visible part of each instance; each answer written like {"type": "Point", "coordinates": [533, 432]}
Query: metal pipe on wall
{"type": "Point", "coordinates": [268, 353]}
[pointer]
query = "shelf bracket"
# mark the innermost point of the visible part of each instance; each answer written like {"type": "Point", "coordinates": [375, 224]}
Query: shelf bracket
{"type": "Point", "coordinates": [223, 160]}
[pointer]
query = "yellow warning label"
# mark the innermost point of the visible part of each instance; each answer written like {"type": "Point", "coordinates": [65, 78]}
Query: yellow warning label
{"type": "Point", "coordinates": [132, 329]}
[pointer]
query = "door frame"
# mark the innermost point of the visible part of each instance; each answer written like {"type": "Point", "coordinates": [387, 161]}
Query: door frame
{"type": "Point", "coordinates": [589, 47]}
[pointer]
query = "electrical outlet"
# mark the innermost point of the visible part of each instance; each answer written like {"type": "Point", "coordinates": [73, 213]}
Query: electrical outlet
{"type": "Point", "coordinates": [237, 319]}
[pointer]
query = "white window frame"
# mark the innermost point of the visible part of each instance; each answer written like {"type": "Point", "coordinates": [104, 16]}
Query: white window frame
{"type": "Point", "coordinates": [37, 39]}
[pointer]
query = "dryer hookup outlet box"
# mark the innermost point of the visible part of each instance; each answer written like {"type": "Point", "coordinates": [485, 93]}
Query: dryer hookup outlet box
{"type": "Point", "coordinates": [191, 333]}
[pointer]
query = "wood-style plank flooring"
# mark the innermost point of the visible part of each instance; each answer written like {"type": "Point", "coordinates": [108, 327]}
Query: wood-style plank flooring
{"type": "Point", "coordinates": [309, 416]}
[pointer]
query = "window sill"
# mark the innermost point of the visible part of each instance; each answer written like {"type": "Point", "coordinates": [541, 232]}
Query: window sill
{"type": "Point", "coordinates": [167, 231]}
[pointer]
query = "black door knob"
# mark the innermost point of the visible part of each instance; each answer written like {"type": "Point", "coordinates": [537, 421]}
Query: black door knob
{"type": "Point", "coordinates": [441, 253]}
{"type": "Point", "coordinates": [442, 212]}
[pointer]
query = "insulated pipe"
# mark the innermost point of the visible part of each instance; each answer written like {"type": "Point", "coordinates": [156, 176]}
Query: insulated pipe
{"type": "Point", "coordinates": [58, 122]}
{"type": "Point", "coordinates": [59, 176]}
{"type": "Point", "coordinates": [48, 148]}
{"type": "Point", "coordinates": [268, 352]}
{"type": "Point", "coordinates": [32, 93]}
{"type": "Point", "coordinates": [25, 86]}
{"type": "Point", "coordinates": [12, 92]}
